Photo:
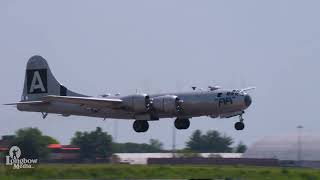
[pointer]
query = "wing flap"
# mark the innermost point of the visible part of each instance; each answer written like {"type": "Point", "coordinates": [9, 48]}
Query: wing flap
{"type": "Point", "coordinates": [85, 101]}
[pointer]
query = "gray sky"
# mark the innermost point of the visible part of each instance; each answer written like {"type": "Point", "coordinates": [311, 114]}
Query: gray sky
{"type": "Point", "coordinates": [94, 47]}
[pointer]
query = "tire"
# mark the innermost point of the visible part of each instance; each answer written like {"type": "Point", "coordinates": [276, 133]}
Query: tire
{"type": "Point", "coordinates": [239, 126]}
{"type": "Point", "coordinates": [182, 123]}
{"type": "Point", "coordinates": [140, 126]}
{"type": "Point", "coordinates": [145, 126]}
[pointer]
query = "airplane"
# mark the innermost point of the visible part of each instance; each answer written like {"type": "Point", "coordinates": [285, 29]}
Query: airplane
{"type": "Point", "coordinates": [43, 93]}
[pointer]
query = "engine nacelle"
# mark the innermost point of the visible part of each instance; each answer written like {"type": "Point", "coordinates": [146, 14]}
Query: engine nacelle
{"type": "Point", "coordinates": [167, 104]}
{"type": "Point", "coordinates": [138, 103]}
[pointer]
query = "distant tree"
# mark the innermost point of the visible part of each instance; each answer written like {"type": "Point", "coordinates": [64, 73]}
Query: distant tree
{"type": "Point", "coordinates": [33, 143]}
{"type": "Point", "coordinates": [196, 141]}
{"type": "Point", "coordinates": [94, 144]}
{"type": "Point", "coordinates": [156, 144]}
{"type": "Point", "coordinates": [153, 146]}
{"type": "Point", "coordinates": [240, 148]}
{"type": "Point", "coordinates": [212, 141]}
{"type": "Point", "coordinates": [50, 139]}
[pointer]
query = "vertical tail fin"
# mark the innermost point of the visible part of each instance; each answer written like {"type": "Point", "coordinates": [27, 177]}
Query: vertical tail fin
{"type": "Point", "coordinates": [39, 81]}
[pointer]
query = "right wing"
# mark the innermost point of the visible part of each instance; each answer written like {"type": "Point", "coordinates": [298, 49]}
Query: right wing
{"type": "Point", "coordinates": [85, 101]}
{"type": "Point", "coordinates": [247, 89]}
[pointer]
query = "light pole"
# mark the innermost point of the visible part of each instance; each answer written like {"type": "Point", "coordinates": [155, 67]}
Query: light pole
{"type": "Point", "coordinates": [299, 143]}
{"type": "Point", "coordinates": [115, 130]}
{"type": "Point", "coordinates": [173, 142]}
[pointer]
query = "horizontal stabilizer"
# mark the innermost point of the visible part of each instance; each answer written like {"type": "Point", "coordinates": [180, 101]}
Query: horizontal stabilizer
{"type": "Point", "coordinates": [85, 101]}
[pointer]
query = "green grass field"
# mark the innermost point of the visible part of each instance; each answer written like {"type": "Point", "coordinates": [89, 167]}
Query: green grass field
{"type": "Point", "coordinates": [109, 171]}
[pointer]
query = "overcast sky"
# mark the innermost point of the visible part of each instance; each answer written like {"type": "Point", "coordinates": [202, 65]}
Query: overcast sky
{"type": "Point", "coordinates": [96, 47]}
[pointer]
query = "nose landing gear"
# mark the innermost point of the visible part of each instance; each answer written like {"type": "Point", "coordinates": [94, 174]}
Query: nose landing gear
{"type": "Point", "coordinates": [239, 125]}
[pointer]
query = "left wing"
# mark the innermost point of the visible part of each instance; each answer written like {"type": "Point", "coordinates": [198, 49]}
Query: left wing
{"type": "Point", "coordinates": [85, 101]}
{"type": "Point", "coordinates": [27, 102]}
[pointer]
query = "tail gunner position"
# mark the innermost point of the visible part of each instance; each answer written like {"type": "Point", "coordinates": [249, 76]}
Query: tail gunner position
{"type": "Point", "coordinates": [43, 93]}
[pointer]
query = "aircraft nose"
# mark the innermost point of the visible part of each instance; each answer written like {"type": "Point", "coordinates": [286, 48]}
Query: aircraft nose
{"type": "Point", "coordinates": [247, 100]}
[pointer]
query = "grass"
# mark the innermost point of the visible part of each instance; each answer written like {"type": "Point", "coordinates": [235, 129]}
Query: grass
{"type": "Point", "coordinates": [109, 171]}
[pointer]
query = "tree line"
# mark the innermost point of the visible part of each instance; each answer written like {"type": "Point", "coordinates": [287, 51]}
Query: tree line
{"type": "Point", "coordinates": [99, 144]}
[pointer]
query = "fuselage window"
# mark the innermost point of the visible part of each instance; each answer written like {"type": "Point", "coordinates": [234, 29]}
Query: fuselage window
{"type": "Point", "coordinates": [230, 93]}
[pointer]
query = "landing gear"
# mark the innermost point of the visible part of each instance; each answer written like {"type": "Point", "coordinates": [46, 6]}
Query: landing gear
{"type": "Point", "coordinates": [182, 123]}
{"type": "Point", "coordinates": [239, 125]}
{"type": "Point", "coordinates": [140, 126]}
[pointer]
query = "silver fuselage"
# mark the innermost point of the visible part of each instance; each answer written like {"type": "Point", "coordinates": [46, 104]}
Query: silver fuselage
{"type": "Point", "coordinates": [217, 103]}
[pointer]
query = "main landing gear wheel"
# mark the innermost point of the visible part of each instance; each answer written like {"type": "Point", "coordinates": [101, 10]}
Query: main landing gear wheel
{"type": "Point", "coordinates": [239, 125]}
{"type": "Point", "coordinates": [140, 126]}
{"type": "Point", "coordinates": [182, 123]}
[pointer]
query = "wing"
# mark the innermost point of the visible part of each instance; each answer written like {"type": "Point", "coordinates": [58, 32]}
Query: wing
{"type": "Point", "coordinates": [28, 102]}
{"type": "Point", "coordinates": [247, 89]}
{"type": "Point", "coordinates": [85, 101]}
